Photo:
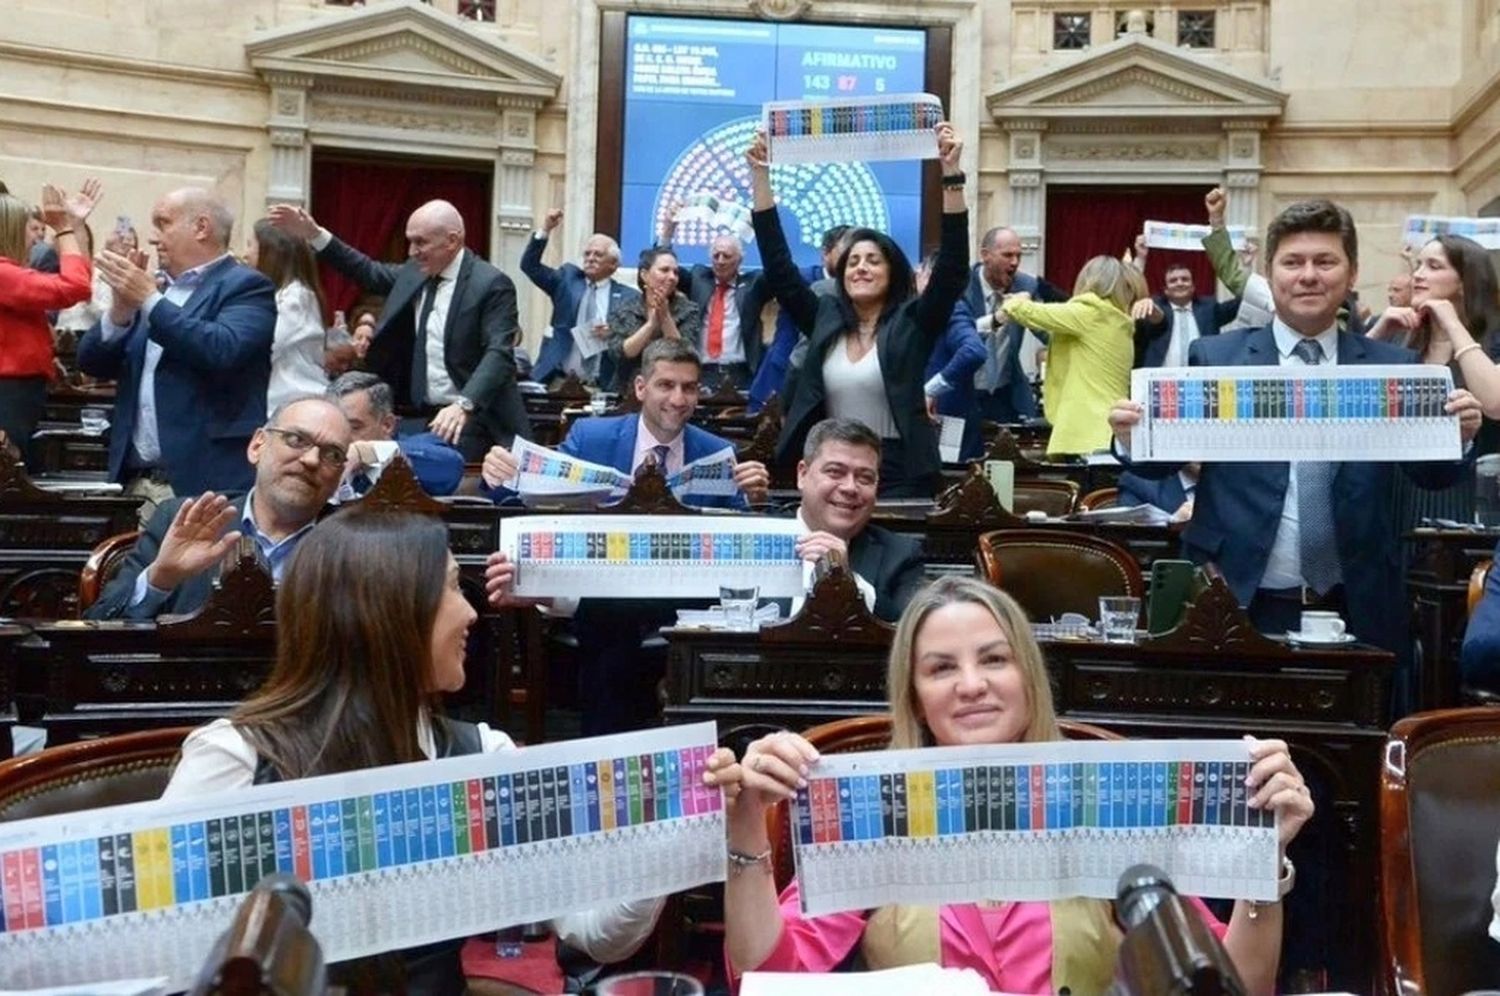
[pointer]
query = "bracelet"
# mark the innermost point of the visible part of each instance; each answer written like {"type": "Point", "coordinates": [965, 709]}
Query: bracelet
{"type": "Point", "coordinates": [1283, 886]}
{"type": "Point", "coordinates": [955, 181]}
{"type": "Point", "coordinates": [1464, 349]}
{"type": "Point", "coordinates": [739, 860]}
{"type": "Point", "coordinates": [69, 231]}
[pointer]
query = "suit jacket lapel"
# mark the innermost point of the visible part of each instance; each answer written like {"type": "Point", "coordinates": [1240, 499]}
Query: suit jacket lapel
{"type": "Point", "coordinates": [1260, 348]}
{"type": "Point", "coordinates": [208, 287]}
{"type": "Point", "coordinates": [464, 270]}
{"type": "Point", "coordinates": [624, 455]}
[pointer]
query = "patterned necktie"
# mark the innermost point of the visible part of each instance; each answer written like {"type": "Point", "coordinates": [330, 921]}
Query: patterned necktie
{"type": "Point", "coordinates": [992, 374]}
{"type": "Point", "coordinates": [714, 343]}
{"type": "Point", "coordinates": [661, 457]}
{"type": "Point", "coordinates": [1318, 546]}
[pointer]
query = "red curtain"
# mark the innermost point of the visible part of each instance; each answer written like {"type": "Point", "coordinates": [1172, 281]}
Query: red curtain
{"type": "Point", "coordinates": [366, 204]}
{"type": "Point", "coordinates": [1083, 222]}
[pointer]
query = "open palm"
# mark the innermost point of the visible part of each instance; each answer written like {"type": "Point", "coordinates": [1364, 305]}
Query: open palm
{"type": "Point", "coordinates": [82, 203]}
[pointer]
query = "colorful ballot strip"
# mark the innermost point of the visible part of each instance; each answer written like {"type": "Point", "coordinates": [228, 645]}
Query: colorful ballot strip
{"type": "Point", "coordinates": [68, 882]}
{"type": "Point", "coordinates": [1285, 413]}
{"type": "Point", "coordinates": [651, 556]}
{"type": "Point", "coordinates": [1423, 228]}
{"type": "Point", "coordinates": [1189, 238]}
{"type": "Point", "coordinates": [544, 472]}
{"type": "Point", "coordinates": [897, 126]}
{"type": "Point", "coordinates": [960, 824]}
{"type": "Point", "coordinates": [710, 475]}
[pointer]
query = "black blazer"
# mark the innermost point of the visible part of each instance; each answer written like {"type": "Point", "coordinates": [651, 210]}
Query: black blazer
{"type": "Point", "coordinates": [1153, 338]}
{"type": "Point", "coordinates": [751, 292]}
{"type": "Point", "coordinates": [894, 566]}
{"type": "Point", "coordinates": [907, 332]}
{"type": "Point", "coordinates": [479, 341]}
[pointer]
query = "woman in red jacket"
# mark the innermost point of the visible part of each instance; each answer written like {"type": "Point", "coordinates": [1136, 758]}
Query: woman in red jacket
{"type": "Point", "coordinates": [26, 295]}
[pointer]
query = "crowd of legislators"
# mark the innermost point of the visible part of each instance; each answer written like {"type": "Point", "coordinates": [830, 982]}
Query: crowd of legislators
{"type": "Point", "coordinates": [240, 411]}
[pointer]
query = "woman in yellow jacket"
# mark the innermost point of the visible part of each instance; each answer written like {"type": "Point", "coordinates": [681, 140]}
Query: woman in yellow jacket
{"type": "Point", "coordinates": [1091, 351]}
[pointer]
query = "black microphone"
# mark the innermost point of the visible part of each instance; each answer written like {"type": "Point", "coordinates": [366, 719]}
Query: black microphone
{"type": "Point", "coordinates": [1167, 949]}
{"type": "Point", "coordinates": [268, 948]}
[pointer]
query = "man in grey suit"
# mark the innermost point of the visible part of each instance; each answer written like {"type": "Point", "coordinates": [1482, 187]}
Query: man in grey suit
{"type": "Point", "coordinates": [446, 338]}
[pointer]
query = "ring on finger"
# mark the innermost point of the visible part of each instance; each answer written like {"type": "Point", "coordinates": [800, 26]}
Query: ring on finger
{"type": "Point", "coordinates": [755, 762]}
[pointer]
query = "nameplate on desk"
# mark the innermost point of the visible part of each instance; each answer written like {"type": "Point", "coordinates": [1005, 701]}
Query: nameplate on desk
{"type": "Point", "coordinates": [393, 857]}
{"type": "Point", "coordinates": [1029, 822]}
{"type": "Point", "coordinates": [652, 556]}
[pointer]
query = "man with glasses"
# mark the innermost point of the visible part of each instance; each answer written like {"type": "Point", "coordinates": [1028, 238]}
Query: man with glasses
{"type": "Point", "coordinates": [298, 460]}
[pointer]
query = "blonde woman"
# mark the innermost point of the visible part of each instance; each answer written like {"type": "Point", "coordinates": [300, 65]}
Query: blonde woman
{"type": "Point", "coordinates": [1090, 354]}
{"type": "Point", "coordinates": [964, 670]}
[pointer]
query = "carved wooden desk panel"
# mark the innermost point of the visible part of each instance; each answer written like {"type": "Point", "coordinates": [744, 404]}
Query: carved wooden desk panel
{"type": "Point", "coordinates": [12, 635]}
{"type": "Point", "coordinates": [1437, 578]}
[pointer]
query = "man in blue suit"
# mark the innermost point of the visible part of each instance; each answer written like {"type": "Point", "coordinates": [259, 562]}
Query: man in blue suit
{"type": "Point", "coordinates": [369, 404]}
{"type": "Point", "coordinates": [1289, 537]}
{"type": "Point", "coordinates": [583, 298]}
{"type": "Point", "coordinates": [1004, 394]}
{"type": "Point", "coordinates": [1480, 664]}
{"type": "Point", "coordinates": [955, 359]}
{"type": "Point", "coordinates": [618, 669]}
{"type": "Point", "coordinates": [191, 360]}
{"type": "Point", "coordinates": [1178, 319]}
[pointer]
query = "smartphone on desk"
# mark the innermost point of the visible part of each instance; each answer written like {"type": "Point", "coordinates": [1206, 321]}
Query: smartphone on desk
{"type": "Point", "coordinates": [1174, 584]}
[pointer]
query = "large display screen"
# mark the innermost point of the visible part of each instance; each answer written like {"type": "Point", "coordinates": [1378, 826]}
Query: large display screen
{"type": "Point", "coordinates": [693, 94]}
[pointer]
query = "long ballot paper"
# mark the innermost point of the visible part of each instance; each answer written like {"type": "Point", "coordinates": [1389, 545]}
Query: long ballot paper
{"type": "Point", "coordinates": [1278, 414]}
{"type": "Point", "coordinates": [544, 472]}
{"type": "Point", "coordinates": [1177, 235]}
{"type": "Point", "coordinates": [393, 857]}
{"type": "Point", "coordinates": [651, 556]}
{"type": "Point", "coordinates": [858, 129]}
{"type": "Point", "coordinates": [1423, 228]}
{"type": "Point", "coordinates": [1029, 822]}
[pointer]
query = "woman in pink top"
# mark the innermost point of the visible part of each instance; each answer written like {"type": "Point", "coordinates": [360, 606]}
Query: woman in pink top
{"type": "Point", "coordinates": [26, 295]}
{"type": "Point", "coordinates": [965, 670]}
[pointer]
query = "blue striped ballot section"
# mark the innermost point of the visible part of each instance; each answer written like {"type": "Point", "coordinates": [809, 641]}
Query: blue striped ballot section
{"type": "Point", "coordinates": [652, 556]}
{"type": "Point", "coordinates": [1421, 229]}
{"type": "Point", "coordinates": [1176, 235]}
{"type": "Point", "coordinates": [393, 857]}
{"type": "Point", "coordinates": [858, 129]}
{"type": "Point", "coordinates": [1029, 822]}
{"type": "Point", "coordinates": [1279, 414]}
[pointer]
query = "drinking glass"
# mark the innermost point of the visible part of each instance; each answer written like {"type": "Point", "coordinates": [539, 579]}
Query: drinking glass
{"type": "Point", "coordinates": [739, 606]}
{"type": "Point", "coordinates": [1118, 615]}
{"type": "Point", "coordinates": [650, 984]}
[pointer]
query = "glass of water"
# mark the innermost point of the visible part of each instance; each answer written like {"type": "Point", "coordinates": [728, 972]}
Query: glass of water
{"type": "Point", "coordinates": [598, 403]}
{"type": "Point", "coordinates": [739, 606]}
{"type": "Point", "coordinates": [1118, 615]}
{"type": "Point", "coordinates": [650, 984]}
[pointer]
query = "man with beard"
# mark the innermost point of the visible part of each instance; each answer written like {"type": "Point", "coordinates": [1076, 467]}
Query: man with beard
{"type": "Point", "coordinates": [298, 458]}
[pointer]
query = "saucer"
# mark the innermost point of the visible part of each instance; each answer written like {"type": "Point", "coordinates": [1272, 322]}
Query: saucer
{"type": "Point", "coordinates": [1302, 640]}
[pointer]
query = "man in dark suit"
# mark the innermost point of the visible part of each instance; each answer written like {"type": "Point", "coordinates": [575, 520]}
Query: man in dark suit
{"type": "Point", "coordinates": [1177, 319]}
{"type": "Point", "coordinates": [446, 338]}
{"type": "Point", "coordinates": [297, 461]}
{"type": "Point", "coordinates": [582, 300]}
{"type": "Point", "coordinates": [191, 360]}
{"type": "Point", "coordinates": [1172, 494]}
{"type": "Point", "coordinates": [837, 477]}
{"type": "Point", "coordinates": [1289, 537]}
{"type": "Point", "coordinates": [731, 299]}
{"type": "Point", "coordinates": [1003, 392]}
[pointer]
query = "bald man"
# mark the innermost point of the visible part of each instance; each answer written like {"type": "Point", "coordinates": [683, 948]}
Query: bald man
{"type": "Point", "coordinates": [446, 338]}
{"type": "Point", "coordinates": [191, 357]}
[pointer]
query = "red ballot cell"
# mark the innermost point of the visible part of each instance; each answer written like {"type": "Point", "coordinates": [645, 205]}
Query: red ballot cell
{"type": "Point", "coordinates": [301, 855]}
{"type": "Point", "coordinates": [1038, 798]}
{"type": "Point", "coordinates": [1185, 793]}
{"type": "Point", "coordinates": [10, 891]}
{"type": "Point", "coordinates": [476, 816]}
{"type": "Point", "coordinates": [33, 913]}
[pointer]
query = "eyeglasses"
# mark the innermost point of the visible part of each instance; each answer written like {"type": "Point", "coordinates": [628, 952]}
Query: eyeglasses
{"type": "Point", "coordinates": [328, 453]}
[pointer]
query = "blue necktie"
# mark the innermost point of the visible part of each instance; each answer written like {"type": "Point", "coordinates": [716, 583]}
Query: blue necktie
{"type": "Point", "coordinates": [1318, 546]}
{"type": "Point", "coordinates": [661, 457]}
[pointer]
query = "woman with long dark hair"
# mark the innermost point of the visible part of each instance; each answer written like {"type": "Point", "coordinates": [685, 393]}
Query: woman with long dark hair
{"type": "Point", "coordinates": [297, 349]}
{"type": "Point", "coordinates": [371, 629]}
{"type": "Point", "coordinates": [869, 341]}
{"type": "Point", "coordinates": [661, 312]}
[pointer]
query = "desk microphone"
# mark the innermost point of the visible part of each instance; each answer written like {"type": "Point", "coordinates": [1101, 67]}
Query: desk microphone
{"type": "Point", "coordinates": [268, 948]}
{"type": "Point", "coordinates": [1168, 949]}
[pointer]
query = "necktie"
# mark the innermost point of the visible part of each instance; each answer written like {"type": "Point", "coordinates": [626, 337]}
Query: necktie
{"type": "Point", "coordinates": [714, 344]}
{"type": "Point", "coordinates": [419, 344]}
{"type": "Point", "coordinates": [991, 376]}
{"type": "Point", "coordinates": [1318, 543]}
{"type": "Point", "coordinates": [1180, 335]}
{"type": "Point", "coordinates": [660, 452]}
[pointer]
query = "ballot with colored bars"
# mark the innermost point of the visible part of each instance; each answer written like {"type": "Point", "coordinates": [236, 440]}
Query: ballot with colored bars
{"type": "Point", "coordinates": [393, 857]}
{"type": "Point", "coordinates": [1278, 414]}
{"type": "Point", "coordinates": [857, 129]}
{"type": "Point", "coordinates": [1029, 822]}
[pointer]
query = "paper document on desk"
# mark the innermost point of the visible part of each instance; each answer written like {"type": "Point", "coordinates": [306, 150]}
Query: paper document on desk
{"type": "Point", "coordinates": [909, 980]}
{"type": "Point", "coordinates": [1143, 514]}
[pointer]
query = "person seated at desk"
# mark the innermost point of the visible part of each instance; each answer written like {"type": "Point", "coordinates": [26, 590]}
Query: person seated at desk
{"type": "Point", "coordinates": [1479, 664]}
{"type": "Point", "coordinates": [965, 669]}
{"type": "Point", "coordinates": [838, 476]}
{"type": "Point", "coordinates": [358, 672]}
{"type": "Point", "coordinates": [667, 389]}
{"type": "Point", "coordinates": [1172, 495]}
{"type": "Point", "coordinates": [298, 459]}
{"type": "Point", "coordinates": [369, 405]}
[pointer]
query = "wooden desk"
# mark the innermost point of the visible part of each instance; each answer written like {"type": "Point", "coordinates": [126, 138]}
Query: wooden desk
{"type": "Point", "coordinates": [70, 450]}
{"type": "Point", "coordinates": [45, 539]}
{"type": "Point", "coordinates": [12, 635]}
{"type": "Point", "coordinates": [1213, 676]}
{"type": "Point", "coordinates": [1439, 562]}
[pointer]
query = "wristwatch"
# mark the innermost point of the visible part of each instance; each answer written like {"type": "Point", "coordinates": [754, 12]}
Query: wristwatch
{"type": "Point", "coordinates": [465, 404]}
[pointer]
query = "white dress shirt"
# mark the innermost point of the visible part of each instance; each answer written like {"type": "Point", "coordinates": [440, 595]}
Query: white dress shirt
{"type": "Point", "coordinates": [1284, 565]}
{"type": "Point", "coordinates": [146, 437]}
{"type": "Point", "coordinates": [646, 444]}
{"type": "Point", "coordinates": [440, 387]}
{"type": "Point", "coordinates": [216, 758]}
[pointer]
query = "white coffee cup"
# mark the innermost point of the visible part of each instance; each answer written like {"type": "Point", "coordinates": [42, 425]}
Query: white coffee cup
{"type": "Point", "coordinates": [1322, 626]}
